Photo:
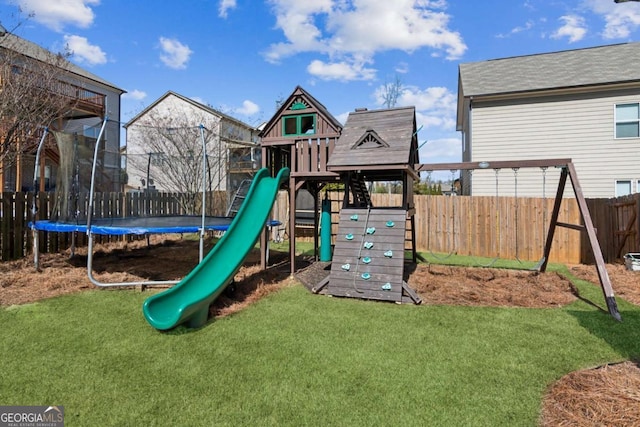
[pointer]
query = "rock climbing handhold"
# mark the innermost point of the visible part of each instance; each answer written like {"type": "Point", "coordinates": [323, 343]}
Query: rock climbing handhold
{"type": "Point", "coordinates": [388, 254]}
{"type": "Point", "coordinates": [349, 237]}
{"type": "Point", "coordinates": [390, 224]}
{"type": "Point", "coordinates": [371, 230]}
{"type": "Point", "coordinates": [346, 267]}
{"type": "Point", "coordinates": [365, 276]}
{"type": "Point", "coordinates": [368, 245]}
{"type": "Point", "coordinates": [386, 286]}
{"type": "Point", "coordinates": [354, 217]}
{"type": "Point", "coordinates": [366, 260]}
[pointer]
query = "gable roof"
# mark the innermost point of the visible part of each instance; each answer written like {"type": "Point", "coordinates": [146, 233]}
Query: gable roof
{"type": "Point", "coordinates": [189, 101]}
{"type": "Point", "coordinates": [32, 50]}
{"type": "Point", "coordinates": [566, 69]}
{"type": "Point", "coordinates": [317, 105]}
{"type": "Point", "coordinates": [375, 139]}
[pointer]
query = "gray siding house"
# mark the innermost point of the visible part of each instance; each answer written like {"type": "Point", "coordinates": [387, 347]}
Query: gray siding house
{"type": "Point", "coordinates": [163, 151]}
{"type": "Point", "coordinates": [581, 104]}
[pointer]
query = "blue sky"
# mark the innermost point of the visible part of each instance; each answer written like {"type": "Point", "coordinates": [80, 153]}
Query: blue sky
{"type": "Point", "coordinates": [240, 56]}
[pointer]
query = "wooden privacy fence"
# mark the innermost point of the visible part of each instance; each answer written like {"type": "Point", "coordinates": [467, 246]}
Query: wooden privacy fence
{"type": "Point", "coordinates": [16, 235]}
{"type": "Point", "coordinates": [508, 227]}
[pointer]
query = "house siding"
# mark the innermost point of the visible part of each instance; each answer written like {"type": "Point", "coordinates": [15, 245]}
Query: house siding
{"type": "Point", "coordinates": [580, 127]}
{"type": "Point", "coordinates": [175, 108]}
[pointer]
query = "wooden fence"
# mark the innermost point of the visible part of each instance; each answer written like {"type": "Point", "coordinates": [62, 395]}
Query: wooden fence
{"type": "Point", "coordinates": [15, 215]}
{"type": "Point", "coordinates": [507, 227]}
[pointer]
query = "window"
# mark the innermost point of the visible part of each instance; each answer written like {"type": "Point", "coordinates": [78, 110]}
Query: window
{"type": "Point", "coordinates": [627, 120]}
{"type": "Point", "coordinates": [91, 131]}
{"type": "Point", "coordinates": [623, 187]}
{"type": "Point", "coordinates": [304, 124]}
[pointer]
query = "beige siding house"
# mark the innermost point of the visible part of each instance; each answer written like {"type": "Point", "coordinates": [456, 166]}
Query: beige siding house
{"type": "Point", "coordinates": [581, 104]}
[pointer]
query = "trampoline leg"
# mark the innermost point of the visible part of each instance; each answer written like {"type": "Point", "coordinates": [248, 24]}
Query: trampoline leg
{"type": "Point", "coordinates": [199, 319]}
{"type": "Point", "coordinates": [36, 247]}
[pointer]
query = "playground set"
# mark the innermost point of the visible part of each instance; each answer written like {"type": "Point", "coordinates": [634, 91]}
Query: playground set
{"type": "Point", "coordinates": [369, 248]}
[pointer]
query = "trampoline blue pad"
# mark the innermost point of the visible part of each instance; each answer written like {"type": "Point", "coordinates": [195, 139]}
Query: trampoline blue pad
{"type": "Point", "coordinates": [141, 225]}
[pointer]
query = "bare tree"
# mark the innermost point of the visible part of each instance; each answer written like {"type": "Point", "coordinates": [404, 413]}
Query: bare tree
{"type": "Point", "coordinates": [34, 94]}
{"type": "Point", "coordinates": [391, 91]}
{"type": "Point", "coordinates": [165, 151]}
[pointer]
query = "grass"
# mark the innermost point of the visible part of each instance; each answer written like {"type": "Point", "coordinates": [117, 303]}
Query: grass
{"type": "Point", "coordinates": [300, 359]}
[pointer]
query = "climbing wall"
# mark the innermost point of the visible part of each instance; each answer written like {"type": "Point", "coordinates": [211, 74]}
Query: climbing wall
{"type": "Point", "coordinates": [368, 258]}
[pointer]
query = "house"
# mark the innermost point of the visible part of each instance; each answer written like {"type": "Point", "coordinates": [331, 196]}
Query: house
{"type": "Point", "coordinates": [581, 104]}
{"type": "Point", "coordinates": [164, 146]}
{"type": "Point", "coordinates": [86, 98]}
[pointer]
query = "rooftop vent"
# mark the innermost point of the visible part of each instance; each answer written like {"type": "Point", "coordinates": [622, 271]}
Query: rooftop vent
{"type": "Point", "coordinates": [361, 109]}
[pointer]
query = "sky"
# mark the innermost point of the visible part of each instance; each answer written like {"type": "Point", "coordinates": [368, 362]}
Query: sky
{"type": "Point", "coordinates": [242, 56]}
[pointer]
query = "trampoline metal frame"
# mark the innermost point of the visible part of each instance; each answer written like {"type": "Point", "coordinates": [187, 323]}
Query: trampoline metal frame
{"type": "Point", "coordinates": [88, 228]}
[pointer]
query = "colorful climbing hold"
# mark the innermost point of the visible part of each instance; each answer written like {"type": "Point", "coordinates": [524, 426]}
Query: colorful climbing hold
{"type": "Point", "coordinates": [365, 276]}
{"type": "Point", "coordinates": [354, 217]}
{"type": "Point", "coordinates": [386, 286]}
{"type": "Point", "coordinates": [366, 260]}
{"type": "Point", "coordinates": [389, 254]}
{"type": "Point", "coordinates": [390, 224]}
{"type": "Point", "coordinates": [371, 230]}
{"type": "Point", "coordinates": [346, 267]}
{"type": "Point", "coordinates": [368, 245]}
{"type": "Point", "coordinates": [349, 236]}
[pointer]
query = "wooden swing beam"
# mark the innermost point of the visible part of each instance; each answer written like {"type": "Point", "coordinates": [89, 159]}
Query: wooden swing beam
{"type": "Point", "coordinates": [567, 170]}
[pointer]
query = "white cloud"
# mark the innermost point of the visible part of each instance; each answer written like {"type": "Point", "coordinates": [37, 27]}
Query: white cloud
{"type": "Point", "coordinates": [620, 19]}
{"type": "Point", "coordinates": [55, 14]}
{"type": "Point", "coordinates": [441, 150]}
{"type": "Point", "coordinates": [248, 108]}
{"type": "Point", "coordinates": [402, 68]}
{"type": "Point", "coordinates": [574, 28]}
{"type": "Point", "coordinates": [435, 106]}
{"type": "Point", "coordinates": [343, 71]}
{"type": "Point", "coordinates": [85, 52]}
{"type": "Point", "coordinates": [519, 29]}
{"type": "Point", "coordinates": [225, 6]}
{"type": "Point", "coordinates": [351, 32]}
{"type": "Point", "coordinates": [135, 94]}
{"type": "Point", "coordinates": [175, 54]}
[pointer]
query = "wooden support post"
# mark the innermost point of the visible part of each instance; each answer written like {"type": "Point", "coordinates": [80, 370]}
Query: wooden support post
{"type": "Point", "coordinates": [554, 219]}
{"type": "Point", "coordinates": [605, 282]}
{"type": "Point", "coordinates": [263, 236]}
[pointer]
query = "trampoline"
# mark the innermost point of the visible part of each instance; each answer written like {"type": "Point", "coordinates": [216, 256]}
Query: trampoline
{"type": "Point", "coordinates": [138, 225]}
{"type": "Point", "coordinates": [79, 163]}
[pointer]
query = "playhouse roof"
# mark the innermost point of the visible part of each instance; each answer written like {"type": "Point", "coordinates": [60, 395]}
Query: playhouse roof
{"type": "Point", "coordinates": [376, 140]}
{"type": "Point", "coordinates": [267, 133]}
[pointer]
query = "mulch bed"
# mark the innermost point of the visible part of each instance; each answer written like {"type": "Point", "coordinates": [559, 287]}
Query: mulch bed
{"type": "Point", "coordinates": [606, 395]}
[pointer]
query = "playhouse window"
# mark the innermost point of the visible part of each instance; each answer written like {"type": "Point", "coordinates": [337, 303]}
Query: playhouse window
{"type": "Point", "coordinates": [304, 124]}
{"type": "Point", "coordinates": [628, 120]}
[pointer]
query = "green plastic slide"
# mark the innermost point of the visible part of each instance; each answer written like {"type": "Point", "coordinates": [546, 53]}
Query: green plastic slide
{"type": "Point", "coordinates": [188, 301]}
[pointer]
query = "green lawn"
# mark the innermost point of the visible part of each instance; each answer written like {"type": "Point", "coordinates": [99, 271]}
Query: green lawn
{"type": "Point", "coordinates": [300, 359]}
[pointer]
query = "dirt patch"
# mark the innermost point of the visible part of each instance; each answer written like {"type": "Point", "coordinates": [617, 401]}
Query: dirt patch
{"type": "Point", "coordinates": [165, 258]}
{"type": "Point", "coordinates": [625, 283]}
{"type": "Point", "coordinates": [606, 395]}
{"type": "Point", "coordinates": [446, 285]}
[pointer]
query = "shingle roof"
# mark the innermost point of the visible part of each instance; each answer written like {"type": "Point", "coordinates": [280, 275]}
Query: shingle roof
{"type": "Point", "coordinates": [32, 50]}
{"type": "Point", "coordinates": [189, 101]}
{"type": "Point", "coordinates": [572, 68]}
{"type": "Point", "coordinates": [376, 137]}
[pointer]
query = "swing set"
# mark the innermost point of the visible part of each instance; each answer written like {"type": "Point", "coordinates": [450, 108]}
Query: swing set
{"type": "Point", "coordinates": [567, 170]}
